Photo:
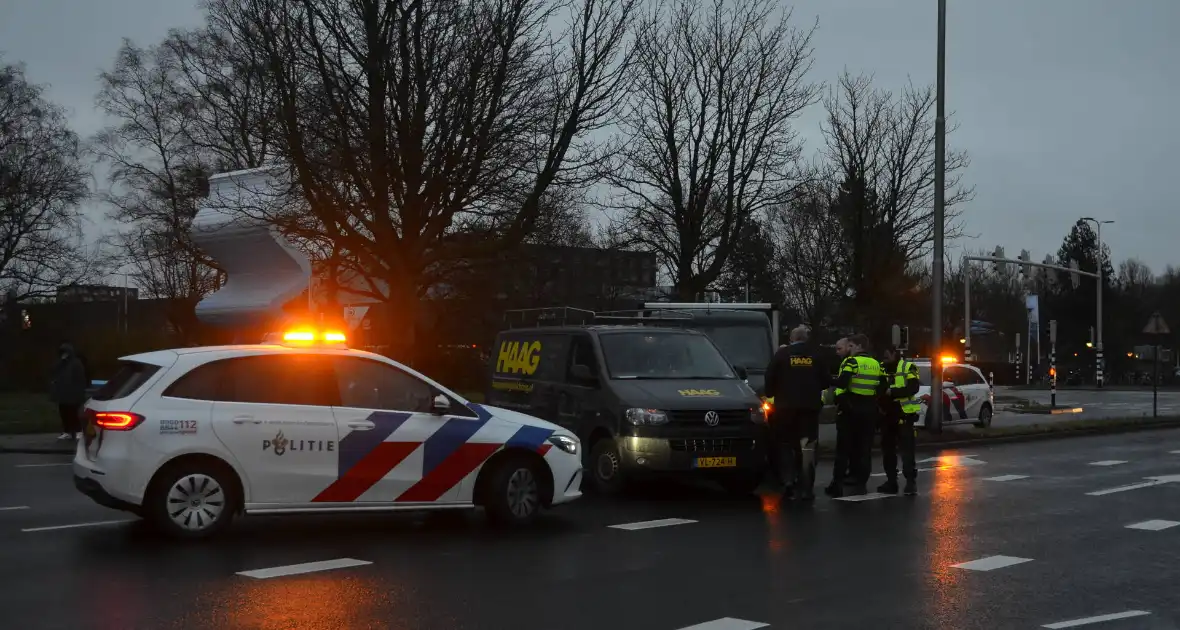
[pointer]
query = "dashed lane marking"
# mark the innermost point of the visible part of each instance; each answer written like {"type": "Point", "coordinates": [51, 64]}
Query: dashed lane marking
{"type": "Point", "coordinates": [663, 522]}
{"type": "Point", "coordinates": [14, 507]}
{"type": "Point", "coordinates": [1153, 525]}
{"type": "Point", "coordinates": [1006, 478]}
{"type": "Point", "coordinates": [728, 623]}
{"type": "Point", "coordinates": [306, 567]}
{"type": "Point", "coordinates": [856, 498]}
{"type": "Point", "coordinates": [1099, 619]}
{"type": "Point", "coordinates": [1109, 462]}
{"type": "Point", "coordinates": [76, 525]}
{"type": "Point", "coordinates": [44, 465]}
{"type": "Point", "coordinates": [990, 563]}
{"type": "Point", "coordinates": [1151, 481]}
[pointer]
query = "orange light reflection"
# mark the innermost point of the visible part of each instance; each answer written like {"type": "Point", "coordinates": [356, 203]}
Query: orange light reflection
{"type": "Point", "coordinates": [310, 602]}
{"type": "Point", "coordinates": [946, 597]}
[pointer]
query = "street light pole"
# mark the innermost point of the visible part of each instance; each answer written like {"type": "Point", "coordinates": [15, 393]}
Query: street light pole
{"type": "Point", "coordinates": [939, 200]}
{"type": "Point", "coordinates": [1098, 359]}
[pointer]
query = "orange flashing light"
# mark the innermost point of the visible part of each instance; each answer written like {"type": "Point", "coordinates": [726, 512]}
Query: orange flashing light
{"type": "Point", "coordinates": [307, 336]}
{"type": "Point", "coordinates": [766, 407]}
{"type": "Point", "coordinates": [946, 358]}
{"type": "Point", "coordinates": [299, 335]}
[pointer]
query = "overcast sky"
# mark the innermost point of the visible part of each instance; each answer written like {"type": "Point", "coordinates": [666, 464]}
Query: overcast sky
{"type": "Point", "coordinates": [1066, 107]}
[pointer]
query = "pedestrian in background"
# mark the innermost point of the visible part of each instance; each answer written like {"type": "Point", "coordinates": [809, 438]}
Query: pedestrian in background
{"type": "Point", "coordinates": [857, 387]}
{"type": "Point", "coordinates": [795, 380]}
{"type": "Point", "coordinates": [899, 413]}
{"type": "Point", "coordinates": [67, 389]}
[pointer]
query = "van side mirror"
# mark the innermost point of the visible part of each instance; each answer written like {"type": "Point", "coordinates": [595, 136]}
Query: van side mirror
{"type": "Point", "coordinates": [582, 373]}
{"type": "Point", "coordinates": [741, 372]}
{"type": "Point", "coordinates": [441, 405]}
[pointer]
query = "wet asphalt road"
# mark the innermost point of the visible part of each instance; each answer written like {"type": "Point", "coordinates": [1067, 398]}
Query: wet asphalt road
{"type": "Point", "coordinates": [1105, 403]}
{"type": "Point", "coordinates": [880, 563]}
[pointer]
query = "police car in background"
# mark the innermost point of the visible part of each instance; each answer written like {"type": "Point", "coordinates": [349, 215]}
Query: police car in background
{"type": "Point", "coordinates": [189, 438]}
{"type": "Point", "coordinates": [966, 395]}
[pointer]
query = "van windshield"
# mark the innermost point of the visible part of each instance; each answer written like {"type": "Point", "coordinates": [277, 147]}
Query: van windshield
{"type": "Point", "coordinates": [747, 346]}
{"type": "Point", "coordinates": [647, 355]}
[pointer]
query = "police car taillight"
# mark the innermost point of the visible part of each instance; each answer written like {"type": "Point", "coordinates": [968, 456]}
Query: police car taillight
{"type": "Point", "coordinates": [117, 420]}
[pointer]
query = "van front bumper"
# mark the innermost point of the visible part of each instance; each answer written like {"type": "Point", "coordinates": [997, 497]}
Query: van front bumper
{"type": "Point", "coordinates": [692, 454]}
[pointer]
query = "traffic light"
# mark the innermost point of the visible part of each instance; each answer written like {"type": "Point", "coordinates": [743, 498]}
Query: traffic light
{"type": "Point", "coordinates": [1026, 269]}
{"type": "Point", "coordinates": [1073, 276]}
{"type": "Point", "coordinates": [1050, 274]}
{"type": "Point", "coordinates": [997, 266]}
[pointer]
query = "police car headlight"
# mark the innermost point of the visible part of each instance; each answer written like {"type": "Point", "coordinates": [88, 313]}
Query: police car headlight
{"type": "Point", "coordinates": [646, 417]}
{"type": "Point", "coordinates": [565, 443]}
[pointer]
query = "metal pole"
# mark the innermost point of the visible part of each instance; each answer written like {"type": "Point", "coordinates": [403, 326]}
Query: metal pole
{"type": "Point", "coordinates": [939, 210]}
{"type": "Point", "coordinates": [1028, 357]}
{"type": "Point", "coordinates": [1017, 381]}
{"type": "Point", "coordinates": [1052, 374]}
{"type": "Point", "coordinates": [1098, 347]}
{"type": "Point", "coordinates": [967, 314]}
{"type": "Point", "coordinates": [1155, 385]}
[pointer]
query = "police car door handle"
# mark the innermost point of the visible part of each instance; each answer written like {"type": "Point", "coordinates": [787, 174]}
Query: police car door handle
{"type": "Point", "coordinates": [245, 419]}
{"type": "Point", "coordinates": [361, 425]}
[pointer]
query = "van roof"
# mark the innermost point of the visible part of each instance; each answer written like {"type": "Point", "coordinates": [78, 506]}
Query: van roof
{"type": "Point", "coordinates": [601, 328]}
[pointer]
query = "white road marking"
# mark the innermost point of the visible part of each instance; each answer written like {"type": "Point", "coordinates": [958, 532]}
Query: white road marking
{"type": "Point", "coordinates": [1174, 452]}
{"type": "Point", "coordinates": [1006, 478]}
{"type": "Point", "coordinates": [77, 525]}
{"type": "Point", "coordinates": [990, 563]}
{"type": "Point", "coordinates": [1151, 481]}
{"type": "Point", "coordinates": [663, 522]}
{"type": "Point", "coordinates": [866, 497]}
{"type": "Point", "coordinates": [1153, 525]}
{"type": "Point", "coordinates": [306, 567]}
{"type": "Point", "coordinates": [1099, 619]}
{"type": "Point", "coordinates": [1109, 462]}
{"type": "Point", "coordinates": [43, 465]}
{"type": "Point", "coordinates": [728, 623]}
{"type": "Point", "coordinates": [14, 507]}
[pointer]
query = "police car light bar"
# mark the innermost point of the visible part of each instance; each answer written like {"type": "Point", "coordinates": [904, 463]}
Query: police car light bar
{"type": "Point", "coordinates": [307, 336]}
{"type": "Point", "coordinates": [946, 358]}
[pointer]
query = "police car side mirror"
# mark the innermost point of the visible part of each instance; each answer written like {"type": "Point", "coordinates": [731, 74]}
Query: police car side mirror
{"type": "Point", "coordinates": [741, 372]}
{"type": "Point", "coordinates": [441, 405]}
{"type": "Point", "coordinates": [947, 384]}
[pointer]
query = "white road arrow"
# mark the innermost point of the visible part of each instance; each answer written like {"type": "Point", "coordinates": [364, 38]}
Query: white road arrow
{"type": "Point", "coordinates": [944, 462]}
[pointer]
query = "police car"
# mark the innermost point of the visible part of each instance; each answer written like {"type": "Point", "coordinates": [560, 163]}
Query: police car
{"type": "Point", "coordinates": [189, 438]}
{"type": "Point", "coordinates": [966, 395]}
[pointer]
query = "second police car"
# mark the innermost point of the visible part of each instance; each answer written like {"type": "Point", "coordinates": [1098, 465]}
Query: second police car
{"type": "Point", "coordinates": [189, 438]}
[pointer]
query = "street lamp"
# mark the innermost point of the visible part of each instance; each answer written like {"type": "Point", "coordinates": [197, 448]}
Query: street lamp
{"type": "Point", "coordinates": [1098, 354]}
{"type": "Point", "coordinates": [939, 210]}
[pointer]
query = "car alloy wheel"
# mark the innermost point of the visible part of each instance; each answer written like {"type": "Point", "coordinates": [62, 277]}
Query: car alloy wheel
{"type": "Point", "coordinates": [195, 502]}
{"type": "Point", "coordinates": [524, 495]}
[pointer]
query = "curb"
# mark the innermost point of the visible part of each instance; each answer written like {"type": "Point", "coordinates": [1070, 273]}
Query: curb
{"type": "Point", "coordinates": [927, 447]}
{"type": "Point", "coordinates": [37, 450]}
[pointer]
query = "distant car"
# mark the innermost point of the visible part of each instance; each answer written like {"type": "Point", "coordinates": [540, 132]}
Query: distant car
{"type": "Point", "coordinates": [966, 396]}
{"type": "Point", "coordinates": [189, 438]}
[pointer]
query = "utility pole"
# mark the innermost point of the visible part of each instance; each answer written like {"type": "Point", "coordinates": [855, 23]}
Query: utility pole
{"type": "Point", "coordinates": [1053, 363]}
{"type": "Point", "coordinates": [1098, 258]}
{"type": "Point", "coordinates": [939, 213]}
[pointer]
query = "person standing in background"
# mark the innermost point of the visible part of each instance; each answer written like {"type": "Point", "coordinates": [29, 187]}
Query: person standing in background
{"type": "Point", "coordinates": [67, 389]}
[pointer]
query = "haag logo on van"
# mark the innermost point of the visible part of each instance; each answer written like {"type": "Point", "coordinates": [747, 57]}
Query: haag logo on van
{"type": "Point", "coordinates": [519, 357]}
{"type": "Point", "coordinates": [699, 392]}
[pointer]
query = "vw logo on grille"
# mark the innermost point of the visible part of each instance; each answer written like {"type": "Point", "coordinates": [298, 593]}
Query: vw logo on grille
{"type": "Point", "coordinates": [711, 418]}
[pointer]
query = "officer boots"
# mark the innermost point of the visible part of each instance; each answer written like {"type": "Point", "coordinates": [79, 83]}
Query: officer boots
{"type": "Point", "coordinates": [911, 487]}
{"type": "Point", "coordinates": [890, 486]}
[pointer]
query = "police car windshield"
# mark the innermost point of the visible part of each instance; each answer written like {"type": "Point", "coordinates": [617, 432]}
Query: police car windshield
{"type": "Point", "coordinates": [646, 355]}
{"type": "Point", "coordinates": [924, 374]}
{"type": "Point", "coordinates": [747, 346]}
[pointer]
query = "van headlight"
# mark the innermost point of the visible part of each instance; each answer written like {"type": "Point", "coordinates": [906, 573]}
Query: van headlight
{"type": "Point", "coordinates": [565, 443]}
{"type": "Point", "coordinates": [646, 417]}
{"type": "Point", "coordinates": [758, 414]}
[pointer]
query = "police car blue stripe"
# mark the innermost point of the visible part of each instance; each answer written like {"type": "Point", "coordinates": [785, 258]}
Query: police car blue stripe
{"type": "Point", "coordinates": [357, 444]}
{"type": "Point", "coordinates": [530, 438]}
{"type": "Point", "coordinates": [447, 439]}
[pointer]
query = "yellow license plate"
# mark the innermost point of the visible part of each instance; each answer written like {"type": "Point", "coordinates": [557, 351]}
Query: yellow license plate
{"type": "Point", "coordinates": [716, 462]}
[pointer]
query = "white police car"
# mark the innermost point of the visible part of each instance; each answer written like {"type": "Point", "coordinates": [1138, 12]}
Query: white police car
{"type": "Point", "coordinates": [189, 438]}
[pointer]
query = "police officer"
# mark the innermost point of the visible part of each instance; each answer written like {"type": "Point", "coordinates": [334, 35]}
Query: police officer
{"type": "Point", "coordinates": [900, 411]}
{"type": "Point", "coordinates": [795, 381]}
{"type": "Point", "coordinates": [858, 385]}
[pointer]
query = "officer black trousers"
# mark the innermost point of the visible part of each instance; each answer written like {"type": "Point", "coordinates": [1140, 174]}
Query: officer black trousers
{"type": "Point", "coordinates": [897, 433]}
{"type": "Point", "coordinates": [795, 433]}
{"type": "Point", "coordinates": [854, 446]}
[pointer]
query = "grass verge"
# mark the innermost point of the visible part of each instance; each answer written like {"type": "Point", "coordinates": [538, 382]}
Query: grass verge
{"type": "Point", "coordinates": [22, 412]}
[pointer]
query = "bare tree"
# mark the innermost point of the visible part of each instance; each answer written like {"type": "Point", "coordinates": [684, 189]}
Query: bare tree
{"type": "Point", "coordinates": [1135, 276]}
{"type": "Point", "coordinates": [42, 181]}
{"type": "Point", "coordinates": [885, 143]}
{"type": "Point", "coordinates": [812, 253]}
{"type": "Point", "coordinates": [709, 129]}
{"type": "Point", "coordinates": [156, 173]}
{"type": "Point", "coordinates": [406, 123]}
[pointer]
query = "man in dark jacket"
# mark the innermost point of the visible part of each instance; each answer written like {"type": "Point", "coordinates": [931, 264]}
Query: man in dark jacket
{"type": "Point", "coordinates": [67, 388]}
{"type": "Point", "coordinates": [796, 379]}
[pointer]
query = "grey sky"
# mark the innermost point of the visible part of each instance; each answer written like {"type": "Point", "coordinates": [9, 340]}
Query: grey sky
{"type": "Point", "coordinates": [1065, 106]}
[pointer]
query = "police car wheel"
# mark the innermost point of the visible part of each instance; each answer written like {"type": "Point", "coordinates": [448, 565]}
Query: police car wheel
{"type": "Point", "coordinates": [606, 466]}
{"type": "Point", "coordinates": [985, 416]}
{"type": "Point", "coordinates": [514, 492]}
{"type": "Point", "coordinates": [194, 501]}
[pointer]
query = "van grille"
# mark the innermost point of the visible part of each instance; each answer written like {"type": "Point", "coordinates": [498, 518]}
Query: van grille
{"type": "Point", "coordinates": [726, 417]}
{"type": "Point", "coordinates": [712, 445]}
